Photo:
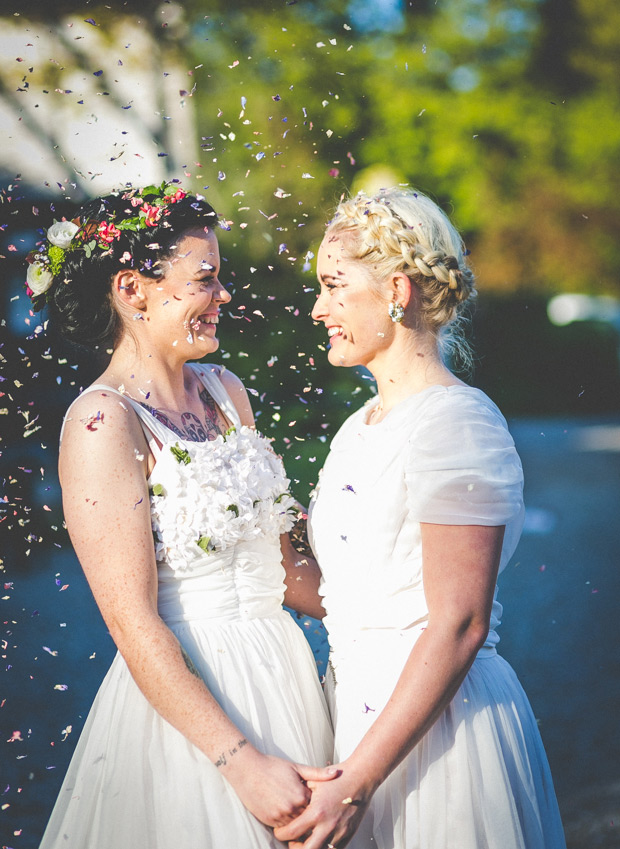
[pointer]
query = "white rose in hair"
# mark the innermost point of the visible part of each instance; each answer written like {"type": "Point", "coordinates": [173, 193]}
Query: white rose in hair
{"type": "Point", "coordinates": [39, 278]}
{"type": "Point", "coordinates": [61, 233]}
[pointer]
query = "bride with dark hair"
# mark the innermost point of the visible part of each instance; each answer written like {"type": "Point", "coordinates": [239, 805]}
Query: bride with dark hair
{"type": "Point", "coordinates": [178, 510]}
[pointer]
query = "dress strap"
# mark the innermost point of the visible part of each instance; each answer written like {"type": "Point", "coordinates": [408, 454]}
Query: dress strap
{"type": "Point", "coordinates": [154, 431]}
{"type": "Point", "coordinates": [209, 376]}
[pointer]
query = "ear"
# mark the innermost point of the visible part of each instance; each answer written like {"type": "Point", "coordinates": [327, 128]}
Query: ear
{"type": "Point", "coordinates": [128, 288]}
{"type": "Point", "coordinates": [400, 289]}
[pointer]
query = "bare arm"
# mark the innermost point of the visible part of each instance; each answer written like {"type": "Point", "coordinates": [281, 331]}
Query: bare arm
{"type": "Point", "coordinates": [302, 580]}
{"type": "Point", "coordinates": [460, 570]}
{"type": "Point", "coordinates": [106, 503]}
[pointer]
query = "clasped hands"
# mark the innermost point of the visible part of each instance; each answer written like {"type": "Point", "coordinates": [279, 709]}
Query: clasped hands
{"type": "Point", "coordinates": [308, 807]}
{"type": "Point", "coordinates": [336, 806]}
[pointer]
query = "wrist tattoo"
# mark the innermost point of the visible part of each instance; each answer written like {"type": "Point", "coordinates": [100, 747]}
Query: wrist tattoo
{"type": "Point", "coordinates": [223, 758]}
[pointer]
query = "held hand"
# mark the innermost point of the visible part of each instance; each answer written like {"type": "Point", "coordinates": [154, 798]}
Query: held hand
{"type": "Point", "coordinates": [275, 790]}
{"type": "Point", "coordinates": [333, 815]}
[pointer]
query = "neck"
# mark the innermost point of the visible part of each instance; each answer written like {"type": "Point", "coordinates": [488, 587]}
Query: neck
{"type": "Point", "coordinates": [411, 364]}
{"type": "Point", "coordinates": [148, 377]}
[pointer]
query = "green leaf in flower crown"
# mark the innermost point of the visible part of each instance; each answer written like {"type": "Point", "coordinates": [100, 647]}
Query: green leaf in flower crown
{"type": "Point", "coordinates": [157, 489]}
{"type": "Point", "coordinates": [233, 509]}
{"type": "Point", "coordinates": [129, 224]}
{"type": "Point", "coordinates": [149, 190]}
{"type": "Point", "coordinates": [181, 454]}
{"type": "Point", "coordinates": [89, 248]}
{"type": "Point", "coordinates": [205, 544]}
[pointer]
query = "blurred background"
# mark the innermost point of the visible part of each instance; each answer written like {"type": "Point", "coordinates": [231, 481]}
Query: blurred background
{"type": "Point", "coordinates": [507, 115]}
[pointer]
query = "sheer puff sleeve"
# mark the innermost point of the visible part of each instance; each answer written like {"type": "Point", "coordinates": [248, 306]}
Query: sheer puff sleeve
{"type": "Point", "coordinates": [462, 467]}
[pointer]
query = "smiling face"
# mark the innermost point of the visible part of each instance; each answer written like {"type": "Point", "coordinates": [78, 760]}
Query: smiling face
{"type": "Point", "coordinates": [183, 305]}
{"type": "Point", "coordinates": [351, 306]}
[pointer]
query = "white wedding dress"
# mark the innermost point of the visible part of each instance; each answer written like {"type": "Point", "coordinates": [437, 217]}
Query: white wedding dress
{"type": "Point", "coordinates": [479, 779]}
{"type": "Point", "coordinates": [135, 782]}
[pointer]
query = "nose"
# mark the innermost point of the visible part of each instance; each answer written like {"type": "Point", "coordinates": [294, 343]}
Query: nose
{"type": "Point", "coordinates": [222, 294]}
{"type": "Point", "coordinates": [319, 310]}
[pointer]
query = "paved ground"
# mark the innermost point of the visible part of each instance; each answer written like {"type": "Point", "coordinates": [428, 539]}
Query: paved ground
{"type": "Point", "coordinates": [560, 629]}
{"type": "Point", "coordinates": [560, 596]}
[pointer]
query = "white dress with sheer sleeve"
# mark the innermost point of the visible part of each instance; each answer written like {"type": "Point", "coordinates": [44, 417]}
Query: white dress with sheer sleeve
{"type": "Point", "coordinates": [135, 782]}
{"type": "Point", "coordinates": [479, 779]}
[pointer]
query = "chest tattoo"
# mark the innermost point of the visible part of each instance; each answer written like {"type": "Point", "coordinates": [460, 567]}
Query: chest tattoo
{"type": "Point", "coordinates": [191, 426]}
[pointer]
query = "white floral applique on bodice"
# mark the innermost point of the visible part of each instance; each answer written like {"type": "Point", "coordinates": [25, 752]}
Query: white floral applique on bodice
{"type": "Point", "coordinates": [207, 497]}
{"type": "Point", "coordinates": [217, 510]}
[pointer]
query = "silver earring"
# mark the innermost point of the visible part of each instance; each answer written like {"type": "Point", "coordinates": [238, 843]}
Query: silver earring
{"type": "Point", "coordinates": [396, 311]}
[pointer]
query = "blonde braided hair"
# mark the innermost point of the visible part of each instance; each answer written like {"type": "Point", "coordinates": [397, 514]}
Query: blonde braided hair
{"type": "Point", "coordinates": [400, 230]}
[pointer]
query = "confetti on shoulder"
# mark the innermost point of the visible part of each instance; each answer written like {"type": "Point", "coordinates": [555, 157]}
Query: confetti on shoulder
{"type": "Point", "coordinates": [348, 488]}
{"type": "Point", "coordinates": [91, 421]}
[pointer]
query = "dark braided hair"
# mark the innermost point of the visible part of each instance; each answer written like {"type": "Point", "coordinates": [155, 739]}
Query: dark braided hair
{"type": "Point", "coordinates": [80, 298]}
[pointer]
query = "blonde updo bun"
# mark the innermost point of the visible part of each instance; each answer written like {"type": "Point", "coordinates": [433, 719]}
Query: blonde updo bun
{"type": "Point", "coordinates": [401, 230]}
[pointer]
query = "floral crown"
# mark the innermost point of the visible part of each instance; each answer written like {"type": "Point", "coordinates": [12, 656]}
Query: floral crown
{"type": "Point", "coordinates": [151, 204]}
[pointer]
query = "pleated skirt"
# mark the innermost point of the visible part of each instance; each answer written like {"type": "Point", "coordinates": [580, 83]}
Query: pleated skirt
{"type": "Point", "coordinates": [479, 779]}
{"type": "Point", "coordinates": [135, 782]}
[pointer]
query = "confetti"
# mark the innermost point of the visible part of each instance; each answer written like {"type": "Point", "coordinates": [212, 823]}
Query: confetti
{"type": "Point", "coordinates": [89, 422]}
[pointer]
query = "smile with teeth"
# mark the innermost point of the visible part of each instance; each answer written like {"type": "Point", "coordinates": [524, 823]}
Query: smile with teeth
{"type": "Point", "coordinates": [196, 323]}
{"type": "Point", "coordinates": [334, 331]}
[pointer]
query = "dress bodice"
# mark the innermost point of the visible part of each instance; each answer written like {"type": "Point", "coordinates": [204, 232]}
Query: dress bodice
{"type": "Point", "coordinates": [217, 510]}
{"type": "Point", "coordinates": [444, 456]}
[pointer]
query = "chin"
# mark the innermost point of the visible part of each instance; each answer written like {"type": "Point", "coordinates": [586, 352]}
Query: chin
{"type": "Point", "coordinates": [206, 345]}
{"type": "Point", "coordinates": [337, 359]}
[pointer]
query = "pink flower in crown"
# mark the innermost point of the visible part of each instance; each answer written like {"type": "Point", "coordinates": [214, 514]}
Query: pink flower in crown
{"type": "Point", "coordinates": [178, 195]}
{"type": "Point", "coordinates": [135, 201]}
{"type": "Point", "coordinates": [152, 214]}
{"type": "Point", "coordinates": [107, 232]}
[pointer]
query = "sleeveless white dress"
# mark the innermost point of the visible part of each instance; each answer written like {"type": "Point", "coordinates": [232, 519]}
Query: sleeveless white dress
{"type": "Point", "coordinates": [135, 782]}
{"type": "Point", "coordinates": [479, 779]}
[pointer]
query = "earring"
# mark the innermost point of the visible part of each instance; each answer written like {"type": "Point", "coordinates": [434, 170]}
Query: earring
{"type": "Point", "coordinates": [396, 311]}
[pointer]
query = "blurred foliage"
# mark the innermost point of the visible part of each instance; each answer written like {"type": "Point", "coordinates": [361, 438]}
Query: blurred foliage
{"type": "Point", "coordinates": [507, 114]}
{"type": "Point", "coordinates": [501, 112]}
